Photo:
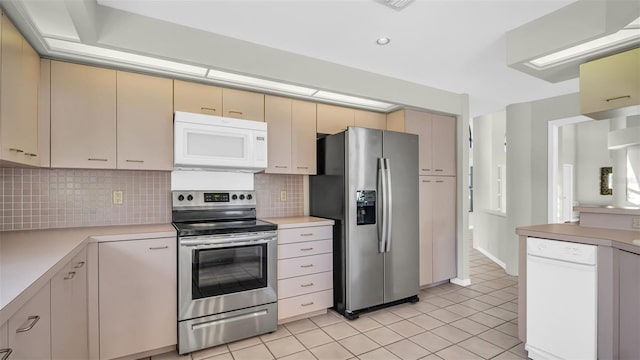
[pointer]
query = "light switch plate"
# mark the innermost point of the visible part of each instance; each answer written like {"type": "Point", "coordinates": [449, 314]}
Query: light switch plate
{"type": "Point", "coordinates": [283, 195]}
{"type": "Point", "coordinates": [635, 223]}
{"type": "Point", "coordinates": [117, 197]}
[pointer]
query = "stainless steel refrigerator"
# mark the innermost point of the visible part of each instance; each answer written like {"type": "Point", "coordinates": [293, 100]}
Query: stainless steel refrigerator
{"type": "Point", "coordinates": [368, 183]}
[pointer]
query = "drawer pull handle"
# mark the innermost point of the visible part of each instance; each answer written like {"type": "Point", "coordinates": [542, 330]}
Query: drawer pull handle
{"type": "Point", "coordinates": [306, 249]}
{"type": "Point", "coordinates": [306, 285]}
{"type": "Point", "coordinates": [307, 234]}
{"type": "Point", "coordinates": [79, 265]}
{"type": "Point", "coordinates": [135, 161]}
{"type": "Point", "coordinates": [281, 167]}
{"type": "Point", "coordinates": [7, 352]}
{"type": "Point", "coordinates": [16, 150]}
{"type": "Point", "coordinates": [70, 275]}
{"type": "Point", "coordinates": [439, 170]}
{"type": "Point", "coordinates": [208, 108]}
{"type": "Point", "coordinates": [235, 112]}
{"type": "Point", "coordinates": [34, 319]}
{"type": "Point", "coordinates": [306, 266]}
{"type": "Point", "coordinates": [439, 181]}
{"type": "Point", "coordinates": [31, 154]}
{"type": "Point", "coordinates": [96, 159]}
{"type": "Point", "coordinates": [426, 181]}
{"type": "Point", "coordinates": [425, 169]}
{"type": "Point", "coordinates": [303, 167]}
{"type": "Point", "coordinates": [159, 247]}
{"type": "Point", "coordinates": [307, 304]}
{"type": "Point", "coordinates": [618, 98]}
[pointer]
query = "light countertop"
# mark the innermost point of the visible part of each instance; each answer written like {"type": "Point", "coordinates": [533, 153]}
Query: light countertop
{"type": "Point", "coordinates": [608, 210]}
{"type": "Point", "coordinates": [622, 239]}
{"type": "Point", "coordinates": [299, 221]}
{"type": "Point", "coordinates": [30, 258]}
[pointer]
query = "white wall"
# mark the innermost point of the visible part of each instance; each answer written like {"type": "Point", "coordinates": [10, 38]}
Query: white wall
{"type": "Point", "coordinates": [592, 153]}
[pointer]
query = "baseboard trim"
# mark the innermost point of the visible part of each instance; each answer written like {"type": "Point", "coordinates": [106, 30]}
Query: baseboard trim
{"type": "Point", "coordinates": [491, 257]}
{"type": "Point", "coordinates": [461, 282]}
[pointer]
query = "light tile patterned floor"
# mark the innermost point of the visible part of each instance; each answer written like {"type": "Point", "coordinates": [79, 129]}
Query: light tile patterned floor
{"type": "Point", "coordinates": [450, 322]}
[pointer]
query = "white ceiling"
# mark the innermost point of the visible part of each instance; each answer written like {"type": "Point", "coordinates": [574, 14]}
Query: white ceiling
{"type": "Point", "coordinates": [458, 46]}
{"type": "Point", "coordinates": [453, 45]}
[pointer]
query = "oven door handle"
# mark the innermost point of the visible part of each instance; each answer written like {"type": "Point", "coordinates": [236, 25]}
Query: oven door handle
{"type": "Point", "coordinates": [218, 243]}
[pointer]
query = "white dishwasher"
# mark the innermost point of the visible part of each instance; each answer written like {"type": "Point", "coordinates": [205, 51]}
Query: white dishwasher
{"type": "Point", "coordinates": [561, 300]}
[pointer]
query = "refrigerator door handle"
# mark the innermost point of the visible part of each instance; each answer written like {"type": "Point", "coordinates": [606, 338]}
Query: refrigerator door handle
{"type": "Point", "coordinates": [388, 205]}
{"type": "Point", "coordinates": [382, 185]}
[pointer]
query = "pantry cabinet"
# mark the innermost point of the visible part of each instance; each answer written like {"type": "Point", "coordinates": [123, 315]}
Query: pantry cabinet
{"type": "Point", "coordinates": [197, 98]}
{"type": "Point", "coordinates": [69, 324]}
{"type": "Point", "coordinates": [19, 78]}
{"type": "Point", "coordinates": [292, 134]}
{"type": "Point", "coordinates": [29, 328]}
{"type": "Point", "coordinates": [137, 290]}
{"type": "Point", "coordinates": [629, 305]}
{"type": "Point", "coordinates": [144, 122]}
{"type": "Point", "coordinates": [83, 116]}
{"type": "Point", "coordinates": [370, 119]}
{"type": "Point", "coordinates": [333, 119]}
{"type": "Point", "coordinates": [242, 104]}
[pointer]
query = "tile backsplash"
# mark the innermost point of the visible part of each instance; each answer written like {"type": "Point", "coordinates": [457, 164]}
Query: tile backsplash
{"type": "Point", "coordinates": [57, 198]}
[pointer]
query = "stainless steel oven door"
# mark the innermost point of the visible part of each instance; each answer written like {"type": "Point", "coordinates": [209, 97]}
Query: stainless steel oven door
{"type": "Point", "coordinates": [220, 273]}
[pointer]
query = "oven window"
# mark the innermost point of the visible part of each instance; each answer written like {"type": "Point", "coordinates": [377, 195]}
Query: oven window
{"type": "Point", "coordinates": [228, 270]}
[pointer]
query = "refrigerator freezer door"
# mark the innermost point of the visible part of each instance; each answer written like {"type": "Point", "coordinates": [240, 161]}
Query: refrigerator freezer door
{"type": "Point", "coordinates": [401, 263]}
{"type": "Point", "coordinates": [365, 264]}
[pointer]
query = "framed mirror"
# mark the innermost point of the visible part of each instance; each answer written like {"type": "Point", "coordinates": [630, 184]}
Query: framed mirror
{"type": "Point", "coordinates": [606, 181]}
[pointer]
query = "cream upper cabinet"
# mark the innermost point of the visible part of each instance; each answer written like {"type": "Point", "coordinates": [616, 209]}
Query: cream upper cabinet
{"type": "Point", "coordinates": [197, 98]}
{"type": "Point", "coordinates": [437, 139]}
{"type": "Point", "coordinates": [241, 104]}
{"type": "Point", "coordinates": [291, 135]}
{"type": "Point", "coordinates": [370, 119]}
{"type": "Point", "coordinates": [83, 116]}
{"type": "Point", "coordinates": [144, 122]}
{"type": "Point", "coordinates": [19, 79]}
{"type": "Point", "coordinates": [29, 328]}
{"type": "Point", "coordinates": [610, 87]}
{"type": "Point", "coordinates": [333, 119]}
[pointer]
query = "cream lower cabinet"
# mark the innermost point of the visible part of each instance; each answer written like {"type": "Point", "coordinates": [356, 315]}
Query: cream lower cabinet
{"type": "Point", "coordinates": [69, 339]}
{"type": "Point", "coordinates": [30, 328]}
{"type": "Point", "coordinates": [437, 229]}
{"type": "Point", "coordinates": [292, 136]}
{"type": "Point", "coordinates": [137, 294]}
{"type": "Point", "coordinates": [305, 272]}
{"type": "Point", "coordinates": [5, 350]}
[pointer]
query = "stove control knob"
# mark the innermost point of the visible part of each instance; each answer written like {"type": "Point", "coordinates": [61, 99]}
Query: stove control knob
{"type": "Point", "coordinates": [190, 197]}
{"type": "Point", "coordinates": [180, 197]}
{"type": "Point", "coordinates": [234, 197]}
{"type": "Point", "coordinates": [241, 197]}
{"type": "Point", "coordinates": [249, 197]}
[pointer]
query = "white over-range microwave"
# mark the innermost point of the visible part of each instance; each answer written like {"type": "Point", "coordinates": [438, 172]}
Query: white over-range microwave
{"type": "Point", "coordinates": [218, 143]}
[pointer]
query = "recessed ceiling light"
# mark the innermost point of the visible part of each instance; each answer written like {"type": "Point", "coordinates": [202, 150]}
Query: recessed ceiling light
{"type": "Point", "coordinates": [383, 40]}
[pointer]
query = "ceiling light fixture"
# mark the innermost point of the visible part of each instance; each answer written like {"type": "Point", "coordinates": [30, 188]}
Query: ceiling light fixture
{"type": "Point", "coordinates": [625, 37]}
{"type": "Point", "coordinates": [259, 83]}
{"type": "Point", "coordinates": [395, 4]}
{"type": "Point", "coordinates": [383, 40]}
{"type": "Point", "coordinates": [123, 57]}
{"type": "Point", "coordinates": [352, 100]}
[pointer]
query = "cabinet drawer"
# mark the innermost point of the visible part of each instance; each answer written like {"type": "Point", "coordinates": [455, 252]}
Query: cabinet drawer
{"type": "Point", "coordinates": [304, 304]}
{"type": "Point", "coordinates": [304, 265]}
{"type": "Point", "coordinates": [286, 236]}
{"type": "Point", "coordinates": [304, 249]}
{"type": "Point", "coordinates": [305, 284]}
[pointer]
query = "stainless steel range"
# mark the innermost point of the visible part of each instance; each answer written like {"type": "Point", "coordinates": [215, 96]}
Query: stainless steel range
{"type": "Point", "coordinates": [226, 268]}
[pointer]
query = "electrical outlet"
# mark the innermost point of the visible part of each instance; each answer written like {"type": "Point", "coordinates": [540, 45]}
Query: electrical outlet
{"type": "Point", "coordinates": [283, 195]}
{"type": "Point", "coordinates": [117, 197]}
{"type": "Point", "coordinates": [635, 223]}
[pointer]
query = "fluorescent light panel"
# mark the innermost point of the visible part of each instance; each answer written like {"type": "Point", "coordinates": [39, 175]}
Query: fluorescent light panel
{"type": "Point", "coordinates": [261, 83]}
{"type": "Point", "coordinates": [353, 100]}
{"type": "Point", "coordinates": [121, 56]}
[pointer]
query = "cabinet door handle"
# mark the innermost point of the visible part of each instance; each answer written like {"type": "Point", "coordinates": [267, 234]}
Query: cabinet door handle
{"type": "Point", "coordinates": [307, 304]}
{"type": "Point", "coordinates": [427, 181]}
{"type": "Point", "coordinates": [618, 98]}
{"type": "Point", "coordinates": [208, 108]}
{"type": "Point", "coordinates": [70, 275]}
{"type": "Point", "coordinates": [79, 265]}
{"type": "Point", "coordinates": [16, 150]}
{"type": "Point", "coordinates": [235, 112]}
{"type": "Point", "coordinates": [306, 249]}
{"type": "Point", "coordinates": [303, 167]}
{"type": "Point", "coordinates": [439, 170]}
{"type": "Point", "coordinates": [439, 181]}
{"type": "Point", "coordinates": [281, 167]}
{"type": "Point", "coordinates": [306, 234]}
{"type": "Point", "coordinates": [159, 247]}
{"type": "Point", "coordinates": [135, 161]}
{"type": "Point", "coordinates": [306, 285]}
{"type": "Point", "coordinates": [30, 154]}
{"type": "Point", "coordinates": [7, 352]}
{"type": "Point", "coordinates": [96, 159]}
{"type": "Point", "coordinates": [306, 266]}
{"type": "Point", "coordinates": [34, 319]}
{"type": "Point", "coordinates": [425, 169]}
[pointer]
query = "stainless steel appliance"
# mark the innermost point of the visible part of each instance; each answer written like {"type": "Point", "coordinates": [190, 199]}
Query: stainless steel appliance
{"type": "Point", "coordinates": [368, 183]}
{"type": "Point", "coordinates": [226, 268]}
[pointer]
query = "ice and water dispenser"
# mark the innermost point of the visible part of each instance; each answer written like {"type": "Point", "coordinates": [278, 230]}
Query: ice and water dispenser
{"type": "Point", "coordinates": [366, 207]}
